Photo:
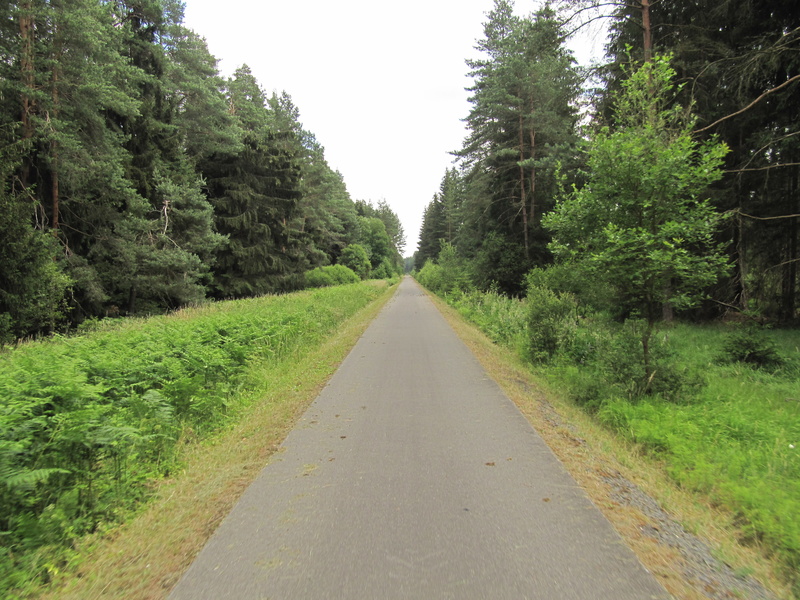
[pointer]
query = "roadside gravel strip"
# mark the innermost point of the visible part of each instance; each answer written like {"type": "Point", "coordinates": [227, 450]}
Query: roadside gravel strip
{"type": "Point", "coordinates": [413, 476]}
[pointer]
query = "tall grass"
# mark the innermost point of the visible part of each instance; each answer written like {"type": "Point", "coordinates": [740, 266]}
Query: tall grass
{"type": "Point", "coordinates": [500, 317]}
{"type": "Point", "coordinates": [87, 422]}
{"type": "Point", "coordinates": [727, 430]}
{"type": "Point", "coordinates": [737, 440]}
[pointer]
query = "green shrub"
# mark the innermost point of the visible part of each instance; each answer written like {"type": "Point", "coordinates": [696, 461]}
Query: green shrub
{"type": "Point", "coordinates": [623, 361]}
{"type": "Point", "coordinates": [355, 258]}
{"type": "Point", "coordinates": [585, 386]}
{"type": "Point", "coordinates": [751, 345]}
{"type": "Point", "coordinates": [551, 322]}
{"type": "Point", "coordinates": [33, 286]}
{"type": "Point", "coordinates": [574, 278]}
{"type": "Point", "coordinates": [384, 270]}
{"type": "Point", "coordinates": [448, 276]}
{"type": "Point", "coordinates": [502, 318]}
{"type": "Point", "coordinates": [330, 275]}
{"type": "Point", "coordinates": [317, 278]}
{"type": "Point", "coordinates": [587, 342]}
{"type": "Point", "coordinates": [341, 274]}
{"type": "Point", "coordinates": [430, 276]}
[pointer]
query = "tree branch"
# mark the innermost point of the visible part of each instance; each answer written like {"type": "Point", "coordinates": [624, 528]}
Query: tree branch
{"type": "Point", "coordinates": [784, 263]}
{"type": "Point", "coordinates": [764, 147]}
{"type": "Point", "coordinates": [749, 106]}
{"type": "Point", "coordinates": [775, 166]}
{"type": "Point", "coordinates": [766, 218]}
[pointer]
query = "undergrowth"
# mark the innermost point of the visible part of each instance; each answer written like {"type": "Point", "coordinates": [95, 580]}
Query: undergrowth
{"type": "Point", "coordinates": [88, 422]}
{"type": "Point", "coordinates": [721, 411]}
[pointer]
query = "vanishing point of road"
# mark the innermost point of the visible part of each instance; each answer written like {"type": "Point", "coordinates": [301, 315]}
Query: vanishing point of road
{"type": "Point", "coordinates": [413, 476]}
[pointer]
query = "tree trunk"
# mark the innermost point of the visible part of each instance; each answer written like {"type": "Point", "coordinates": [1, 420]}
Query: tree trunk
{"type": "Point", "coordinates": [648, 35]}
{"type": "Point", "coordinates": [667, 311]}
{"type": "Point", "coordinates": [742, 295]}
{"type": "Point", "coordinates": [790, 266]}
{"type": "Point", "coordinates": [522, 202]}
{"type": "Point", "coordinates": [647, 335]}
{"type": "Point", "coordinates": [532, 187]}
{"type": "Point", "coordinates": [54, 191]}
{"type": "Point", "coordinates": [132, 300]}
{"type": "Point", "coordinates": [27, 78]}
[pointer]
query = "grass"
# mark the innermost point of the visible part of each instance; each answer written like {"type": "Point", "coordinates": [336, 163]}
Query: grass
{"type": "Point", "coordinates": [211, 466]}
{"type": "Point", "coordinates": [737, 442]}
{"type": "Point", "coordinates": [724, 459]}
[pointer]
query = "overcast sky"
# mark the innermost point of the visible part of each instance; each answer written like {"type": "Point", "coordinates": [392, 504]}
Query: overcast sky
{"type": "Point", "coordinates": [380, 84]}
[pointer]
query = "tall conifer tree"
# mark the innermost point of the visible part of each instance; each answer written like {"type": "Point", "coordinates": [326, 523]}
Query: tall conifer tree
{"type": "Point", "coordinates": [522, 123]}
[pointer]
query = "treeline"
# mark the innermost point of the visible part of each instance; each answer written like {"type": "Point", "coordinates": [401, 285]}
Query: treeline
{"type": "Point", "coordinates": [732, 83]}
{"type": "Point", "coordinates": [136, 179]}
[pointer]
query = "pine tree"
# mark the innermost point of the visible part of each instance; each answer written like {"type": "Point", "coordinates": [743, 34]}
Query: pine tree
{"type": "Point", "coordinates": [441, 219]}
{"type": "Point", "coordinates": [328, 215]}
{"type": "Point", "coordinates": [432, 231]}
{"type": "Point", "coordinates": [32, 286]}
{"type": "Point", "coordinates": [522, 124]}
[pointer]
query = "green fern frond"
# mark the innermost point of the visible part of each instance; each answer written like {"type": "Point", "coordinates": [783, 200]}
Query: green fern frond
{"type": "Point", "coordinates": [28, 479]}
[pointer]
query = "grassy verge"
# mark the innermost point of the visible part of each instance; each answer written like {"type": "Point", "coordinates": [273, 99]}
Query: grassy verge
{"type": "Point", "coordinates": [721, 463]}
{"type": "Point", "coordinates": [737, 441]}
{"type": "Point", "coordinates": [193, 483]}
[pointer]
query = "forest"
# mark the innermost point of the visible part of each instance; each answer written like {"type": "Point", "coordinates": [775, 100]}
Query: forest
{"type": "Point", "coordinates": [135, 179]}
{"type": "Point", "coordinates": [539, 156]}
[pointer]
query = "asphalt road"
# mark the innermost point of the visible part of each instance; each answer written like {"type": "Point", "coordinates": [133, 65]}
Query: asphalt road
{"type": "Point", "coordinates": [413, 476]}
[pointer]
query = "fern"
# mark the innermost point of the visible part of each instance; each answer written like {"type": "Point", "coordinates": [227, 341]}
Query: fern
{"type": "Point", "coordinates": [28, 479]}
{"type": "Point", "coordinates": [86, 422]}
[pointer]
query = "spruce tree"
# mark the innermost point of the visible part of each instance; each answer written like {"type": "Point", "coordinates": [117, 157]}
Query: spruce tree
{"type": "Point", "coordinates": [255, 193]}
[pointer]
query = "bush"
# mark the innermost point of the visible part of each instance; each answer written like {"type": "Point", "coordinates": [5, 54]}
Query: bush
{"type": "Point", "coordinates": [455, 277]}
{"type": "Point", "coordinates": [574, 278]}
{"type": "Point", "coordinates": [430, 276]}
{"type": "Point", "coordinates": [551, 322]}
{"type": "Point", "coordinates": [355, 258]}
{"type": "Point", "coordinates": [449, 276]}
{"type": "Point", "coordinates": [751, 345]}
{"type": "Point", "coordinates": [502, 318]}
{"type": "Point", "coordinates": [500, 260]}
{"type": "Point", "coordinates": [384, 270]}
{"type": "Point", "coordinates": [623, 362]}
{"type": "Point", "coordinates": [330, 275]}
{"type": "Point", "coordinates": [317, 278]}
{"type": "Point", "coordinates": [585, 386]}
{"type": "Point", "coordinates": [32, 285]}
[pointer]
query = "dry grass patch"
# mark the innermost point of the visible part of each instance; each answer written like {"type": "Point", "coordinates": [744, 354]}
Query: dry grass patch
{"type": "Point", "coordinates": [598, 461]}
{"type": "Point", "coordinates": [146, 557]}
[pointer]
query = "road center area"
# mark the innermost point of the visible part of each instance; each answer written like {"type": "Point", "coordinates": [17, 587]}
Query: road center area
{"type": "Point", "coordinates": [413, 476]}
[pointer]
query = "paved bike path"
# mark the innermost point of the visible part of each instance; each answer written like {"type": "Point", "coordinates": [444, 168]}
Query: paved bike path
{"type": "Point", "coordinates": [413, 476]}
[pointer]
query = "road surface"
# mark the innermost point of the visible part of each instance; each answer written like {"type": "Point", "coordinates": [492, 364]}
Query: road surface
{"type": "Point", "coordinates": [413, 476]}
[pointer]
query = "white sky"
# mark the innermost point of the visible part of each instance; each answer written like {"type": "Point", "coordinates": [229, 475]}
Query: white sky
{"type": "Point", "coordinates": [380, 84]}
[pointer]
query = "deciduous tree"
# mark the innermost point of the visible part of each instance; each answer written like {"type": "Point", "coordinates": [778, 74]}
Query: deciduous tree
{"type": "Point", "coordinates": [641, 223]}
